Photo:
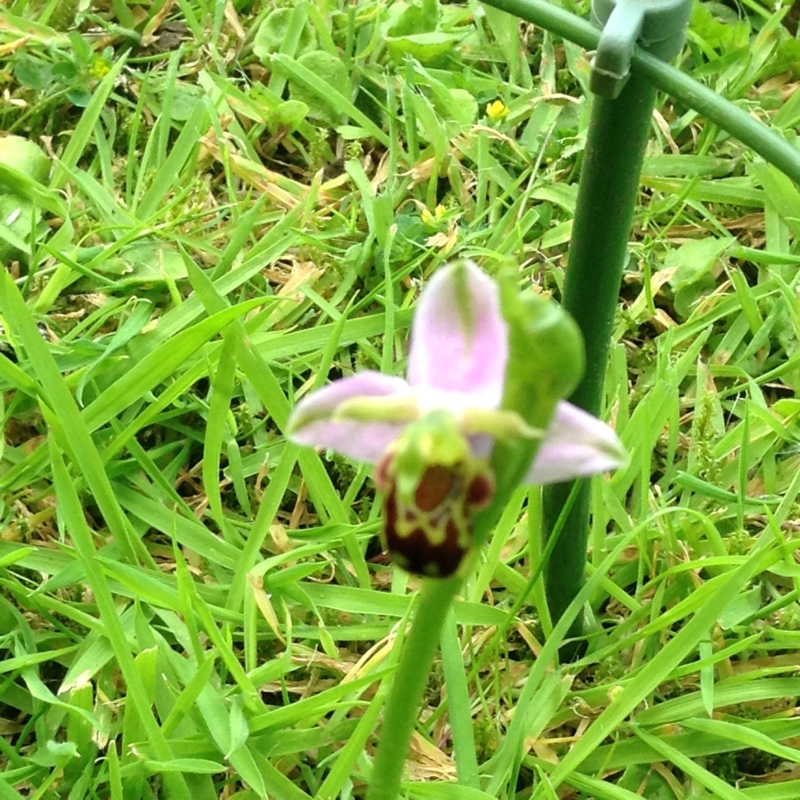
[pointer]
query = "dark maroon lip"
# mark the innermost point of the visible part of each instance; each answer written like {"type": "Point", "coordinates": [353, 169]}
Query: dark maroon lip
{"type": "Point", "coordinates": [444, 501]}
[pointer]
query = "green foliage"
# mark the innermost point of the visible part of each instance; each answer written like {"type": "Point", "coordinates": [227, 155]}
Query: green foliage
{"type": "Point", "coordinates": [413, 29]}
{"type": "Point", "coordinates": [546, 358]}
{"type": "Point", "coordinates": [329, 69]}
{"type": "Point", "coordinates": [281, 27]}
{"type": "Point", "coordinates": [719, 26]}
{"type": "Point", "coordinates": [695, 264]}
{"type": "Point", "coordinates": [72, 72]}
{"type": "Point", "coordinates": [190, 606]}
{"type": "Point", "coordinates": [22, 163]}
{"type": "Point", "coordinates": [288, 115]}
{"type": "Point", "coordinates": [288, 31]}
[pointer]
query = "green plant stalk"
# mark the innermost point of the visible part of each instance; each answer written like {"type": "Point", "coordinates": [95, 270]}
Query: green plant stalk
{"type": "Point", "coordinates": [419, 649]}
{"type": "Point", "coordinates": [607, 194]}
{"type": "Point", "coordinates": [408, 685]}
{"type": "Point", "coordinates": [545, 364]}
{"type": "Point", "coordinates": [766, 142]}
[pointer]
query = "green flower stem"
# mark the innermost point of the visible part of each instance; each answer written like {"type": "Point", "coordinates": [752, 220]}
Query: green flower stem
{"type": "Point", "coordinates": [510, 461]}
{"type": "Point", "coordinates": [410, 679]}
{"type": "Point", "coordinates": [545, 364]}
{"type": "Point", "coordinates": [419, 649]}
{"type": "Point", "coordinates": [766, 142]}
{"type": "Point", "coordinates": [607, 195]}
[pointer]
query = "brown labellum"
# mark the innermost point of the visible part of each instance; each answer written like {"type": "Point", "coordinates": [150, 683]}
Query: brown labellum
{"type": "Point", "coordinates": [431, 535]}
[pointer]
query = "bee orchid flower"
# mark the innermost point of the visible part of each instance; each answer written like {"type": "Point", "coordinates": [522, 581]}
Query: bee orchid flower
{"type": "Point", "coordinates": [431, 435]}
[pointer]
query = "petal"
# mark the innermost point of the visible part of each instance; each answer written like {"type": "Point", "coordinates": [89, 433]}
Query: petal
{"type": "Point", "coordinates": [576, 445]}
{"type": "Point", "coordinates": [311, 421]}
{"type": "Point", "coordinates": [459, 339]}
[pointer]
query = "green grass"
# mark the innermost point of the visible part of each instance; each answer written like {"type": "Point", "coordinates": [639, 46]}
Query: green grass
{"type": "Point", "coordinates": [190, 606]}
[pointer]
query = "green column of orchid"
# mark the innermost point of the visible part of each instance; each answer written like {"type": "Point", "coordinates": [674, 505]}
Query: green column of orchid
{"type": "Point", "coordinates": [618, 132]}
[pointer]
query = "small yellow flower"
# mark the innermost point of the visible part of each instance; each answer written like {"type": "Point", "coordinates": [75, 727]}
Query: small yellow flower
{"type": "Point", "coordinates": [99, 68]}
{"type": "Point", "coordinates": [497, 111]}
{"type": "Point", "coordinates": [432, 220]}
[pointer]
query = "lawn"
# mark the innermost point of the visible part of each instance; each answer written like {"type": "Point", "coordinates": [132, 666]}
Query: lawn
{"type": "Point", "coordinates": [211, 209]}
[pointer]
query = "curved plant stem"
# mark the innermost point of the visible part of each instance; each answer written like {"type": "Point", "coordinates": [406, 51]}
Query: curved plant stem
{"type": "Point", "coordinates": [763, 140]}
{"type": "Point", "coordinates": [545, 363]}
{"type": "Point", "coordinates": [402, 708]}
